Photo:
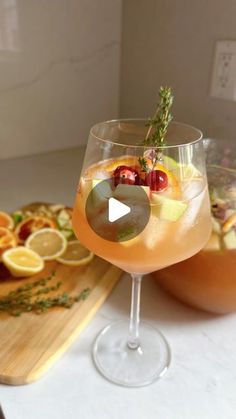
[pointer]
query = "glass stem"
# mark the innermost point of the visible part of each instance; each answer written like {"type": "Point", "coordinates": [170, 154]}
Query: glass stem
{"type": "Point", "coordinates": [133, 338]}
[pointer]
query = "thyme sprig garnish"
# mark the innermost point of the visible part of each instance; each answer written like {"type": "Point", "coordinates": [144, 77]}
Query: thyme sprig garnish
{"type": "Point", "coordinates": [143, 163]}
{"type": "Point", "coordinates": [158, 126]}
{"type": "Point", "coordinates": [29, 297]}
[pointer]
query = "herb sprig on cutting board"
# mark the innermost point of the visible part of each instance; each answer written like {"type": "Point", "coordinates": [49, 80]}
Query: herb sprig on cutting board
{"type": "Point", "coordinates": [33, 297]}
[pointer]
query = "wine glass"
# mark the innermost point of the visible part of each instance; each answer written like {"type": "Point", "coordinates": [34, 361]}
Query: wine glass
{"type": "Point", "coordinates": [165, 192]}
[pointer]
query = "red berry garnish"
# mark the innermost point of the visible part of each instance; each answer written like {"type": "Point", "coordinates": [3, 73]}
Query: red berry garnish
{"type": "Point", "coordinates": [127, 175]}
{"type": "Point", "coordinates": [157, 180]}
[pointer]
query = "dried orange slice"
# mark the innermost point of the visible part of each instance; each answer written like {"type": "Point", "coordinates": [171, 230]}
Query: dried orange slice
{"type": "Point", "coordinates": [32, 224]}
{"type": "Point", "coordinates": [49, 243]}
{"type": "Point", "coordinates": [76, 254]}
{"type": "Point", "coordinates": [6, 220]}
{"type": "Point", "coordinates": [7, 240]}
{"type": "Point", "coordinates": [22, 261]}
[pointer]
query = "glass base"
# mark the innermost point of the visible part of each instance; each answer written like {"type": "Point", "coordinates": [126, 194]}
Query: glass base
{"type": "Point", "coordinates": [131, 367]}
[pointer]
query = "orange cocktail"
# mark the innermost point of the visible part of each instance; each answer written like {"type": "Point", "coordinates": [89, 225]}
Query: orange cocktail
{"type": "Point", "coordinates": [167, 238]}
{"type": "Point", "coordinates": [141, 206]}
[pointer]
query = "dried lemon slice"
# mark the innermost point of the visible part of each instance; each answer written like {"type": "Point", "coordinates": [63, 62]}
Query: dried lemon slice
{"type": "Point", "coordinates": [47, 242]}
{"type": "Point", "coordinates": [76, 254]}
{"type": "Point", "coordinates": [22, 261]}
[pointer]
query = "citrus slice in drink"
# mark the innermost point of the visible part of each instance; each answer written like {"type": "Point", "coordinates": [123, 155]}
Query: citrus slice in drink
{"type": "Point", "coordinates": [105, 168]}
{"type": "Point", "coordinates": [7, 240]}
{"type": "Point", "coordinates": [22, 261]}
{"type": "Point", "coordinates": [49, 243]}
{"type": "Point", "coordinates": [75, 254]}
{"type": "Point", "coordinates": [6, 220]}
{"type": "Point", "coordinates": [32, 224]}
{"type": "Point", "coordinates": [172, 179]}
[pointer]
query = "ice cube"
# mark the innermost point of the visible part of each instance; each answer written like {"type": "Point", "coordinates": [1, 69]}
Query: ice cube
{"type": "Point", "coordinates": [155, 232]}
{"type": "Point", "coordinates": [189, 218]}
{"type": "Point", "coordinates": [101, 174]}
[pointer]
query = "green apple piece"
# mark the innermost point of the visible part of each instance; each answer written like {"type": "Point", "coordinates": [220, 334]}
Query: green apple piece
{"type": "Point", "coordinates": [101, 191]}
{"type": "Point", "coordinates": [168, 209]}
{"type": "Point", "coordinates": [130, 192]}
{"type": "Point", "coordinates": [170, 163]}
{"type": "Point", "coordinates": [213, 242]}
{"type": "Point", "coordinates": [216, 227]}
{"type": "Point", "coordinates": [187, 171]}
{"type": "Point", "coordinates": [229, 240]}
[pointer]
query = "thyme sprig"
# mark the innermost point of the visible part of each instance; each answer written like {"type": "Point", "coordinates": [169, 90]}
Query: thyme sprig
{"type": "Point", "coordinates": [29, 297]}
{"type": "Point", "coordinates": [143, 163]}
{"type": "Point", "coordinates": [158, 126]}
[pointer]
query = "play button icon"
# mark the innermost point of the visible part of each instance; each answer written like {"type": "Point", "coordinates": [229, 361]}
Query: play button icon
{"type": "Point", "coordinates": [116, 210]}
{"type": "Point", "coordinates": [117, 213]}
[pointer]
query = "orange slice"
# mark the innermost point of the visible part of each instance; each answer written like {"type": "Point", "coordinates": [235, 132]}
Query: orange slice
{"type": "Point", "coordinates": [110, 165]}
{"type": "Point", "coordinates": [6, 220]}
{"type": "Point", "coordinates": [76, 254]}
{"type": "Point", "coordinates": [22, 261]}
{"type": "Point", "coordinates": [171, 177]}
{"type": "Point", "coordinates": [49, 243]}
{"type": "Point", "coordinates": [7, 240]}
{"type": "Point", "coordinates": [32, 224]}
{"type": "Point", "coordinates": [105, 169]}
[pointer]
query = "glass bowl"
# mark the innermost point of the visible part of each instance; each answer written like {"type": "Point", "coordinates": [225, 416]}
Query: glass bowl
{"type": "Point", "coordinates": [208, 279]}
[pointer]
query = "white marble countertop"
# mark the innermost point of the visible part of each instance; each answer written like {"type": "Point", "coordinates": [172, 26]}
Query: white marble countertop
{"type": "Point", "coordinates": [201, 381]}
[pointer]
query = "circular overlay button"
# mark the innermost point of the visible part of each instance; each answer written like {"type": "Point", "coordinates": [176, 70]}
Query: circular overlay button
{"type": "Point", "coordinates": [117, 213]}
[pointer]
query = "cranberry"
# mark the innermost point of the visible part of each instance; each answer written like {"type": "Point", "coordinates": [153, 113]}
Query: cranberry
{"type": "Point", "coordinates": [126, 174]}
{"type": "Point", "coordinates": [157, 180]}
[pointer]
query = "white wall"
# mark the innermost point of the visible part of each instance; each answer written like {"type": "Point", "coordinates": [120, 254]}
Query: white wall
{"type": "Point", "coordinates": [167, 42]}
{"type": "Point", "coordinates": [59, 71]}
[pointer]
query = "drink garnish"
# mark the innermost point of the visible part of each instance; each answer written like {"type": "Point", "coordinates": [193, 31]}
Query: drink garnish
{"type": "Point", "coordinates": [158, 125]}
{"type": "Point", "coordinates": [161, 119]}
{"type": "Point", "coordinates": [126, 175]}
{"type": "Point", "coordinates": [157, 180]}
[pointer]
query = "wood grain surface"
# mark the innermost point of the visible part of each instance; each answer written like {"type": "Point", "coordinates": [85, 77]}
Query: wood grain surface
{"type": "Point", "coordinates": [31, 343]}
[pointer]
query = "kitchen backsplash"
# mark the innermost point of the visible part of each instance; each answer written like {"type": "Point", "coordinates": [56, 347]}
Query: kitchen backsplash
{"type": "Point", "coordinates": [59, 72]}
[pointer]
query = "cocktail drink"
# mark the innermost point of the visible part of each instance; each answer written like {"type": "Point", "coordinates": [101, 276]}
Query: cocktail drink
{"type": "Point", "coordinates": [168, 220]}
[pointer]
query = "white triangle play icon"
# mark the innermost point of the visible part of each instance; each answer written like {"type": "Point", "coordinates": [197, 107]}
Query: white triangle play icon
{"type": "Point", "coordinates": [116, 210]}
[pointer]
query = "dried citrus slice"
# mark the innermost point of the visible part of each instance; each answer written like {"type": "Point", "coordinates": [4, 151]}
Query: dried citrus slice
{"type": "Point", "coordinates": [76, 254]}
{"type": "Point", "coordinates": [6, 220]}
{"type": "Point", "coordinates": [32, 224]}
{"type": "Point", "coordinates": [49, 243]}
{"type": "Point", "coordinates": [22, 261]}
{"type": "Point", "coordinates": [7, 240]}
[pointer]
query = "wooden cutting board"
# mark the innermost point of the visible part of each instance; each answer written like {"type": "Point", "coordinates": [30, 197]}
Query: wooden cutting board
{"type": "Point", "coordinates": [31, 343]}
